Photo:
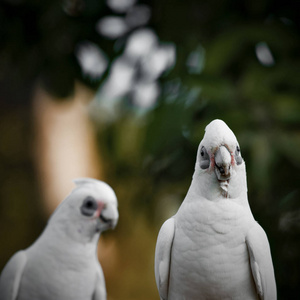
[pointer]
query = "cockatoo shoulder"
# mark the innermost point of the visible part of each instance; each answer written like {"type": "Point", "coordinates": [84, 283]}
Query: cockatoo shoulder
{"type": "Point", "coordinates": [12, 275]}
{"type": "Point", "coordinates": [100, 290]}
{"type": "Point", "coordinates": [163, 256]}
{"type": "Point", "coordinates": [261, 262]}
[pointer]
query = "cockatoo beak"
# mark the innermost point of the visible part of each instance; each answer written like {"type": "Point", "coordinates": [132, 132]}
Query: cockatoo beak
{"type": "Point", "coordinates": [223, 163]}
{"type": "Point", "coordinates": [109, 216]}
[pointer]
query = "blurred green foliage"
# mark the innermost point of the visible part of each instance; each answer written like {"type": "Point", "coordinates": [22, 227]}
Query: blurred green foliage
{"type": "Point", "coordinates": [150, 154]}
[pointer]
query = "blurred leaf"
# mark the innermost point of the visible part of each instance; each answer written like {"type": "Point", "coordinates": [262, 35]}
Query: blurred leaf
{"type": "Point", "coordinates": [287, 108]}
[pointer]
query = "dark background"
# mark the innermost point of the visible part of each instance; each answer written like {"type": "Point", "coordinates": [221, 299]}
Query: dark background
{"type": "Point", "coordinates": [218, 73]}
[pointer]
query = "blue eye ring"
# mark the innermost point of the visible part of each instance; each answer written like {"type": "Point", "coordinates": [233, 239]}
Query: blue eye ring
{"type": "Point", "coordinates": [204, 159]}
{"type": "Point", "coordinates": [89, 206]}
{"type": "Point", "coordinates": [237, 154]}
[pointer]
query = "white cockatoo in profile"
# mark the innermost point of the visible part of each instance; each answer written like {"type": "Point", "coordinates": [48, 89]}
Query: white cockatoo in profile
{"type": "Point", "coordinates": [212, 248]}
{"type": "Point", "coordinates": [62, 263]}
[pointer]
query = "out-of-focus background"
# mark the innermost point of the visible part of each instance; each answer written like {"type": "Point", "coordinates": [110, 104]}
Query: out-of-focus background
{"type": "Point", "coordinates": [121, 90]}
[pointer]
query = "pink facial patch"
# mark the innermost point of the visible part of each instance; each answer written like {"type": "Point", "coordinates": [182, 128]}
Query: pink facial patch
{"type": "Point", "coordinates": [232, 159]}
{"type": "Point", "coordinates": [101, 205]}
{"type": "Point", "coordinates": [212, 162]}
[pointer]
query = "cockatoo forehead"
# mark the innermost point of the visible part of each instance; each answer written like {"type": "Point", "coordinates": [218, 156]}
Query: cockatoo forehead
{"type": "Point", "coordinates": [80, 194]}
{"type": "Point", "coordinates": [106, 196]}
{"type": "Point", "coordinates": [217, 133]}
{"type": "Point", "coordinates": [99, 190]}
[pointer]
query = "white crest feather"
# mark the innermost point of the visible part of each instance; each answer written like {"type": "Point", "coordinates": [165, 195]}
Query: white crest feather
{"type": "Point", "coordinates": [85, 180]}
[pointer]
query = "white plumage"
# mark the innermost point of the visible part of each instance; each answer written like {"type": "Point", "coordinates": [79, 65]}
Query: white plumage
{"type": "Point", "coordinates": [62, 263]}
{"type": "Point", "coordinates": [212, 248]}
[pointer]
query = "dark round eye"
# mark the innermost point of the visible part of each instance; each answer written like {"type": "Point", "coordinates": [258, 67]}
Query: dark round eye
{"type": "Point", "coordinates": [238, 156]}
{"type": "Point", "coordinates": [89, 203]}
{"type": "Point", "coordinates": [89, 206]}
{"type": "Point", "coordinates": [204, 159]}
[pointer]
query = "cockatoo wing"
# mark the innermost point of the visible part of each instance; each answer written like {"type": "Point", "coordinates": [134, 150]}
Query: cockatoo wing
{"type": "Point", "coordinates": [163, 257]}
{"type": "Point", "coordinates": [11, 276]}
{"type": "Point", "coordinates": [261, 262]}
{"type": "Point", "coordinates": [100, 290]}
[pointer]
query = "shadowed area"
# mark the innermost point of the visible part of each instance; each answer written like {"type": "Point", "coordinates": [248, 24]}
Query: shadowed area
{"type": "Point", "coordinates": [122, 91]}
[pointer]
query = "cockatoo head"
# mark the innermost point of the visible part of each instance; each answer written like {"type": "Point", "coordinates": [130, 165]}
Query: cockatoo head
{"type": "Point", "coordinates": [91, 208]}
{"type": "Point", "coordinates": [219, 161]}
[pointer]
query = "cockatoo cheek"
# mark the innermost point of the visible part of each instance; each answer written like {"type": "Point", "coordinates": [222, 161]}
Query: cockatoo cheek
{"type": "Point", "coordinates": [212, 162]}
{"type": "Point", "coordinates": [232, 159]}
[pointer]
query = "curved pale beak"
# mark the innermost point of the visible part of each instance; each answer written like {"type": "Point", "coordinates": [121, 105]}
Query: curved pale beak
{"type": "Point", "coordinates": [223, 163]}
{"type": "Point", "coordinates": [110, 216]}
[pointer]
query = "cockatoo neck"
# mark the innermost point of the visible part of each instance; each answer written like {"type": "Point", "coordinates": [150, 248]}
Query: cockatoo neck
{"type": "Point", "coordinates": [77, 231]}
{"type": "Point", "coordinates": [206, 185]}
{"type": "Point", "coordinates": [66, 243]}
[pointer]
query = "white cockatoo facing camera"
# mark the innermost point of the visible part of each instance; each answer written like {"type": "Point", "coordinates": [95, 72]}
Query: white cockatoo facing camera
{"type": "Point", "coordinates": [212, 248]}
{"type": "Point", "coordinates": [62, 263]}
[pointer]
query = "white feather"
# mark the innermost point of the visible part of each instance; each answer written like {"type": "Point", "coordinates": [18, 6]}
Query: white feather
{"type": "Point", "coordinates": [62, 263]}
{"type": "Point", "coordinates": [163, 257]}
{"type": "Point", "coordinates": [213, 248]}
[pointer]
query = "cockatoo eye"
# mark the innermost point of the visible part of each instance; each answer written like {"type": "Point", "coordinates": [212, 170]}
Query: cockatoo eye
{"type": "Point", "coordinates": [204, 159]}
{"type": "Point", "coordinates": [89, 206]}
{"type": "Point", "coordinates": [238, 157]}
